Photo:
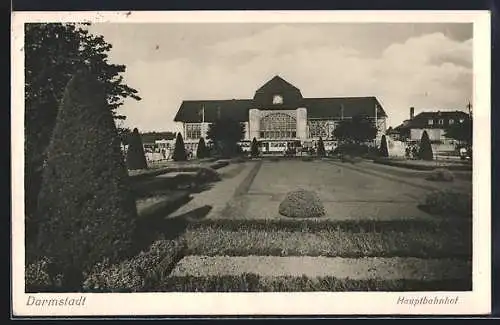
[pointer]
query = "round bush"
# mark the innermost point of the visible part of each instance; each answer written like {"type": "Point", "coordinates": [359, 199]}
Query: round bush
{"type": "Point", "coordinates": [302, 204]}
{"type": "Point", "coordinates": [449, 203]}
{"type": "Point", "coordinates": [206, 174]}
{"type": "Point", "coordinates": [441, 175]}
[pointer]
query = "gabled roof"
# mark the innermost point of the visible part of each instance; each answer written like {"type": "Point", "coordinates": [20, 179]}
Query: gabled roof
{"type": "Point", "coordinates": [277, 84]}
{"type": "Point", "coordinates": [191, 110]}
{"type": "Point", "coordinates": [322, 108]}
{"type": "Point", "coordinates": [317, 108]}
{"type": "Point", "coordinates": [421, 121]}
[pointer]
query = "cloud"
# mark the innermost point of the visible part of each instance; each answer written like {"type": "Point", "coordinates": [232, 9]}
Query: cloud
{"type": "Point", "coordinates": [428, 71]}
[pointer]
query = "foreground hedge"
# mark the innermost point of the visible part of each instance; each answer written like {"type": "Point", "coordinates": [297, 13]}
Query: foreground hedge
{"type": "Point", "coordinates": [86, 210]}
{"type": "Point", "coordinates": [140, 273]}
{"type": "Point", "coordinates": [254, 283]}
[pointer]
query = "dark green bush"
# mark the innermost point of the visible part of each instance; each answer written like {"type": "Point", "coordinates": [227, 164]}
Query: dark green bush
{"type": "Point", "coordinates": [321, 148]}
{"type": "Point", "coordinates": [254, 148]}
{"type": "Point", "coordinates": [138, 273]}
{"type": "Point", "coordinates": [301, 204]}
{"type": "Point", "coordinates": [384, 151]}
{"type": "Point", "coordinates": [449, 203]}
{"type": "Point", "coordinates": [179, 149]}
{"type": "Point", "coordinates": [85, 206]}
{"type": "Point", "coordinates": [425, 148]}
{"type": "Point", "coordinates": [202, 150]}
{"type": "Point", "coordinates": [441, 175]}
{"type": "Point", "coordinates": [207, 175]}
{"type": "Point", "coordinates": [355, 149]}
{"type": "Point", "coordinates": [136, 158]}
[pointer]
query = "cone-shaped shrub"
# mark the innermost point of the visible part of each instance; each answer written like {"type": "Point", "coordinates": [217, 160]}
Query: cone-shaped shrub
{"type": "Point", "coordinates": [254, 148]}
{"type": "Point", "coordinates": [85, 207]}
{"type": "Point", "coordinates": [136, 159]}
{"type": "Point", "coordinates": [384, 152]}
{"type": "Point", "coordinates": [425, 149]}
{"type": "Point", "coordinates": [321, 148]}
{"type": "Point", "coordinates": [179, 150]}
{"type": "Point", "coordinates": [201, 150]}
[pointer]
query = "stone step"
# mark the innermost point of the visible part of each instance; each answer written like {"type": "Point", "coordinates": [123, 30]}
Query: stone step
{"type": "Point", "coordinates": [394, 268]}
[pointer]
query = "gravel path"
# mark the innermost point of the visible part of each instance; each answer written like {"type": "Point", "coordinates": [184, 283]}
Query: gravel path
{"type": "Point", "coordinates": [353, 268]}
{"type": "Point", "coordinates": [221, 192]}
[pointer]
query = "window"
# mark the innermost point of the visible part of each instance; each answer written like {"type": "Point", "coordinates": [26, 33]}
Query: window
{"type": "Point", "coordinates": [431, 122]}
{"type": "Point", "coordinates": [277, 126]}
{"type": "Point", "coordinates": [193, 131]}
{"type": "Point", "coordinates": [441, 122]}
{"type": "Point", "coordinates": [277, 99]}
{"type": "Point", "coordinates": [451, 121]}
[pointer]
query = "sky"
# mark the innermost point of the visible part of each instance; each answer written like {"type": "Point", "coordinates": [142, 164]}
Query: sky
{"type": "Point", "coordinates": [424, 65]}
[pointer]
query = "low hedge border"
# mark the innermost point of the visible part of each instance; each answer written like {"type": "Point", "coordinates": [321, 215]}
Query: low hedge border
{"type": "Point", "coordinates": [458, 167]}
{"type": "Point", "coordinates": [353, 225]}
{"type": "Point", "coordinates": [254, 283]}
{"type": "Point", "coordinates": [139, 274]}
{"type": "Point", "coordinates": [147, 174]}
{"type": "Point", "coordinates": [456, 243]}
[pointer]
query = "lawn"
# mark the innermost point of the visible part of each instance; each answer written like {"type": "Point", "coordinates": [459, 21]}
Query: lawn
{"type": "Point", "coordinates": [374, 236]}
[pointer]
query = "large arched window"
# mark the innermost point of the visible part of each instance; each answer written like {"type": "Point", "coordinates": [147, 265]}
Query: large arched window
{"type": "Point", "coordinates": [278, 126]}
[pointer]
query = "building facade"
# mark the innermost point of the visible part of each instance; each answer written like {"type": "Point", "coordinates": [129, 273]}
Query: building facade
{"type": "Point", "coordinates": [434, 123]}
{"type": "Point", "coordinates": [278, 114]}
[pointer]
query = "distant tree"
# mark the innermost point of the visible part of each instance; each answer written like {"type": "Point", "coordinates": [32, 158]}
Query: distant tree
{"type": "Point", "coordinates": [359, 129]}
{"type": "Point", "coordinates": [201, 150]}
{"type": "Point", "coordinates": [254, 148]}
{"type": "Point", "coordinates": [461, 132]}
{"type": "Point", "coordinates": [136, 159]}
{"type": "Point", "coordinates": [179, 149]}
{"type": "Point", "coordinates": [225, 134]}
{"type": "Point", "coordinates": [384, 152]}
{"type": "Point", "coordinates": [86, 212]}
{"type": "Point", "coordinates": [321, 148]}
{"type": "Point", "coordinates": [425, 148]}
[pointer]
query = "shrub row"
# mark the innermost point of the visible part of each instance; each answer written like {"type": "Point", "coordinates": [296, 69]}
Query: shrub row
{"type": "Point", "coordinates": [449, 204]}
{"type": "Point", "coordinates": [254, 283]}
{"type": "Point", "coordinates": [417, 166]}
{"type": "Point", "coordinates": [436, 225]}
{"type": "Point", "coordinates": [139, 273]}
{"type": "Point", "coordinates": [456, 243]}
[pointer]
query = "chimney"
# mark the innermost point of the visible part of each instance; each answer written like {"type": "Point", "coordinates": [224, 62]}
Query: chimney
{"type": "Point", "coordinates": [412, 112]}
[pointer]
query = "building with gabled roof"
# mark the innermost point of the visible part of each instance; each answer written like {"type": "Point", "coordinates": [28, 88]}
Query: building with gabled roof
{"type": "Point", "coordinates": [278, 113]}
{"type": "Point", "coordinates": [434, 122]}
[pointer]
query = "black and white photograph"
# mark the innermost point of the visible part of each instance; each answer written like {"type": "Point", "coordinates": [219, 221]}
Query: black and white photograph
{"type": "Point", "coordinates": [229, 156]}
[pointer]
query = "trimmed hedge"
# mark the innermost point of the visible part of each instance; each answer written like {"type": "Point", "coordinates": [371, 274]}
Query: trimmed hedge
{"type": "Point", "coordinates": [417, 166]}
{"type": "Point", "coordinates": [441, 175]}
{"type": "Point", "coordinates": [449, 204]}
{"type": "Point", "coordinates": [85, 207]}
{"type": "Point", "coordinates": [136, 159]}
{"type": "Point", "coordinates": [250, 282]}
{"type": "Point", "coordinates": [141, 273]}
{"type": "Point", "coordinates": [354, 225]}
{"type": "Point", "coordinates": [211, 241]}
{"type": "Point", "coordinates": [301, 204]}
